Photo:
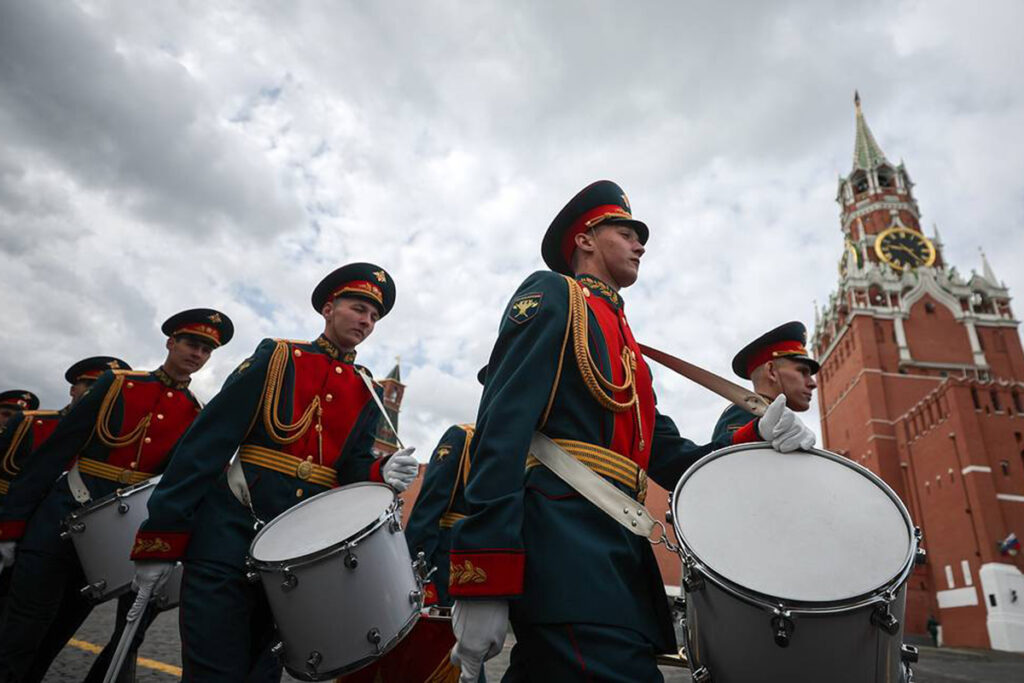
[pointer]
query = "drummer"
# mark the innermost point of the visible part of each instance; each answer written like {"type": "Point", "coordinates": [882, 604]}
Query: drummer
{"type": "Point", "coordinates": [777, 363]}
{"type": "Point", "coordinates": [13, 401]}
{"type": "Point", "coordinates": [120, 432]}
{"type": "Point", "coordinates": [584, 596]}
{"type": "Point", "coordinates": [303, 421]}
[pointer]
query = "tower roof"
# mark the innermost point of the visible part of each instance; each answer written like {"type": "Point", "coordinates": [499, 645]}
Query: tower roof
{"type": "Point", "coordinates": [395, 374]}
{"type": "Point", "coordinates": [866, 152]}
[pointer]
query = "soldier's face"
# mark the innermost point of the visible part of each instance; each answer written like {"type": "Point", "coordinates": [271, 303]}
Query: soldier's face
{"type": "Point", "coordinates": [349, 321]}
{"type": "Point", "coordinates": [620, 249]}
{"type": "Point", "coordinates": [78, 390]}
{"type": "Point", "coordinates": [797, 383]}
{"type": "Point", "coordinates": [187, 355]}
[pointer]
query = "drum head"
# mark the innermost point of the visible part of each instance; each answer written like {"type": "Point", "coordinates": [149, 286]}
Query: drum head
{"type": "Point", "coordinates": [323, 521]}
{"type": "Point", "coordinates": [807, 527]}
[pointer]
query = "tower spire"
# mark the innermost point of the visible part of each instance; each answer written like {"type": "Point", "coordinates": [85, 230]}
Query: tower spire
{"type": "Point", "coordinates": [866, 152]}
{"type": "Point", "coordinates": [986, 269]}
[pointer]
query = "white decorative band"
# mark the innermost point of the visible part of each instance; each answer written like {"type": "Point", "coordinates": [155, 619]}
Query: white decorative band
{"type": "Point", "coordinates": [1010, 496]}
{"type": "Point", "coordinates": [976, 468]}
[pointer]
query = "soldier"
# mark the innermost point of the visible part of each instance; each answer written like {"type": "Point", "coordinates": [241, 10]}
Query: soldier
{"type": "Point", "coordinates": [303, 421]}
{"type": "Point", "coordinates": [120, 432]}
{"type": "Point", "coordinates": [13, 402]}
{"type": "Point", "coordinates": [777, 362]}
{"type": "Point", "coordinates": [584, 596]}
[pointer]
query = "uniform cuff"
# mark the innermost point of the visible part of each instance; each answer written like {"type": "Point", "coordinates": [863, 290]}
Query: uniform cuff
{"type": "Point", "coordinates": [487, 574]}
{"type": "Point", "coordinates": [12, 530]}
{"type": "Point", "coordinates": [159, 545]}
{"type": "Point", "coordinates": [747, 433]}
{"type": "Point", "coordinates": [375, 474]}
{"type": "Point", "coordinates": [429, 594]}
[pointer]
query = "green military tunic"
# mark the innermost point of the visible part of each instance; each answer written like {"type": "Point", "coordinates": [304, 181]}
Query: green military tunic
{"type": "Point", "coordinates": [733, 419]}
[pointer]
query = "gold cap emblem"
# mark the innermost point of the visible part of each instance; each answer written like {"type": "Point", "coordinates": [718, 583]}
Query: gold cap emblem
{"type": "Point", "coordinates": [381, 276]}
{"type": "Point", "coordinates": [215, 318]}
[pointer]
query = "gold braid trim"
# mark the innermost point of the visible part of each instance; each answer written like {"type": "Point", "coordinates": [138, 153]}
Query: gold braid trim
{"type": "Point", "coordinates": [107, 437]}
{"type": "Point", "coordinates": [19, 435]}
{"type": "Point", "coordinates": [281, 432]}
{"type": "Point", "coordinates": [591, 371]}
{"type": "Point", "coordinates": [463, 472]}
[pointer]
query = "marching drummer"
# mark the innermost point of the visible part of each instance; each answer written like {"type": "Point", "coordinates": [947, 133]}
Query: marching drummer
{"type": "Point", "coordinates": [13, 401]}
{"type": "Point", "coordinates": [301, 416]}
{"type": "Point", "coordinates": [777, 363]}
{"type": "Point", "coordinates": [583, 594]}
{"type": "Point", "coordinates": [120, 432]}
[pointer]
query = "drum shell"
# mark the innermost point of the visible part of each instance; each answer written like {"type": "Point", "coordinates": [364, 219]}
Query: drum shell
{"type": "Point", "coordinates": [734, 639]}
{"type": "Point", "coordinates": [103, 533]}
{"type": "Point", "coordinates": [332, 607]}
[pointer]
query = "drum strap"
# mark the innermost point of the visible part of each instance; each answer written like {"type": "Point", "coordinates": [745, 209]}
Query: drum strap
{"type": "Point", "coordinates": [79, 490]}
{"type": "Point", "coordinates": [629, 513]}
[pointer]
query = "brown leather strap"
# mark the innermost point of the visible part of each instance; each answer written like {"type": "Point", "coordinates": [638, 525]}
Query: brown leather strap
{"type": "Point", "coordinates": [744, 398]}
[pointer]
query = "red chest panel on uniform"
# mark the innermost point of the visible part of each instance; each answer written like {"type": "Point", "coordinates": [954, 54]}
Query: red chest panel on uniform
{"type": "Point", "coordinates": [170, 413]}
{"type": "Point", "coordinates": [617, 335]}
{"type": "Point", "coordinates": [342, 396]}
{"type": "Point", "coordinates": [42, 428]}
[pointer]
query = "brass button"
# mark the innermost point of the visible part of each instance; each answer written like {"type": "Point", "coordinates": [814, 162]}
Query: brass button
{"type": "Point", "coordinates": [159, 416]}
{"type": "Point", "coordinates": [298, 352]}
{"type": "Point", "coordinates": [39, 422]}
{"type": "Point", "coordinates": [329, 397]}
{"type": "Point", "coordinates": [298, 493]}
{"type": "Point", "coordinates": [586, 292]}
{"type": "Point", "coordinates": [131, 384]}
{"type": "Point", "coordinates": [146, 440]}
{"type": "Point", "coordinates": [337, 369]}
{"type": "Point", "coordinates": [133, 465]}
{"type": "Point", "coordinates": [170, 394]}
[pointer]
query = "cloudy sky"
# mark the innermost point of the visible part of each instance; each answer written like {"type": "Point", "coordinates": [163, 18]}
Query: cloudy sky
{"type": "Point", "coordinates": [159, 156]}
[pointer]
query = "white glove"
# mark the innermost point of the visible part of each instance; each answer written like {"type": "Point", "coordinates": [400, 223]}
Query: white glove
{"type": "Point", "coordinates": [783, 428]}
{"type": "Point", "coordinates": [401, 469]}
{"type": "Point", "coordinates": [7, 554]}
{"type": "Point", "coordinates": [480, 629]}
{"type": "Point", "coordinates": [150, 577]}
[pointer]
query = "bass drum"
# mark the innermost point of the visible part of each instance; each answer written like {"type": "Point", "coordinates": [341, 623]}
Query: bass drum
{"type": "Point", "coordinates": [794, 568]}
{"type": "Point", "coordinates": [339, 579]}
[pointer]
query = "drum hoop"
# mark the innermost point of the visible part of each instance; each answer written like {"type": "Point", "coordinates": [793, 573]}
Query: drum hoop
{"type": "Point", "coordinates": [342, 545]}
{"type": "Point", "coordinates": [359, 664]}
{"type": "Point", "coordinates": [771, 602]}
{"type": "Point", "coordinates": [118, 494]}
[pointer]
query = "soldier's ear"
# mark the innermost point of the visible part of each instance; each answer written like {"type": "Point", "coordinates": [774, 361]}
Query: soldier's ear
{"type": "Point", "coordinates": [326, 308]}
{"type": "Point", "coordinates": [170, 343]}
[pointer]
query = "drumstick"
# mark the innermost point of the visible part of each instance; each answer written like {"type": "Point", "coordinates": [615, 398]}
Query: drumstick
{"type": "Point", "coordinates": [744, 398]}
{"type": "Point", "coordinates": [123, 647]}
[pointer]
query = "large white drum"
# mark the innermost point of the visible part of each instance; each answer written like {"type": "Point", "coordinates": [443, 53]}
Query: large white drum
{"type": "Point", "coordinates": [103, 533]}
{"type": "Point", "coordinates": [339, 579]}
{"type": "Point", "coordinates": [794, 568]}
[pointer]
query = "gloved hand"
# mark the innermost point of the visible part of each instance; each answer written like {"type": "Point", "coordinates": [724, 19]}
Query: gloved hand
{"type": "Point", "coordinates": [783, 428]}
{"type": "Point", "coordinates": [150, 577]}
{"type": "Point", "coordinates": [7, 554]}
{"type": "Point", "coordinates": [480, 629]}
{"type": "Point", "coordinates": [401, 469]}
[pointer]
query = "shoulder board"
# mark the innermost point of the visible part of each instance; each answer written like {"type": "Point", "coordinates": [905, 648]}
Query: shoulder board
{"type": "Point", "coordinates": [305, 342]}
{"type": "Point", "coordinates": [130, 373]}
{"type": "Point", "coordinates": [367, 371]}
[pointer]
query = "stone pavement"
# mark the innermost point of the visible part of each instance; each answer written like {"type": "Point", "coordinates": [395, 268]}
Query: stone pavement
{"type": "Point", "coordinates": [161, 657]}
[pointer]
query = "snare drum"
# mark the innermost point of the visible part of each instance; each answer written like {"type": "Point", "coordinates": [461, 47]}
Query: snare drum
{"type": "Point", "coordinates": [794, 568]}
{"type": "Point", "coordinates": [103, 533]}
{"type": "Point", "coordinates": [339, 580]}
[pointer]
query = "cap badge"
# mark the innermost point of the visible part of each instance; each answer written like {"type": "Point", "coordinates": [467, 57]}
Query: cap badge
{"type": "Point", "coordinates": [381, 276]}
{"type": "Point", "coordinates": [625, 200]}
{"type": "Point", "coordinates": [215, 318]}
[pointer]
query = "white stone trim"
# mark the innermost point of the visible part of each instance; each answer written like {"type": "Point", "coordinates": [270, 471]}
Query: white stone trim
{"type": "Point", "coordinates": [1010, 497]}
{"type": "Point", "coordinates": [949, 576]}
{"type": "Point", "coordinates": [957, 597]}
{"type": "Point", "coordinates": [976, 468]}
{"type": "Point", "coordinates": [965, 567]}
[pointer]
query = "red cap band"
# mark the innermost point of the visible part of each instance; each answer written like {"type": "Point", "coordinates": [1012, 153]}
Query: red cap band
{"type": "Point", "coordinates": [586, 221]}
{"type": "Point", "coordinates": [361, 287]}
{"type": "Point", "coordinates": [200, 330]}
{"type": "Point", "coordinates": [780, 349]}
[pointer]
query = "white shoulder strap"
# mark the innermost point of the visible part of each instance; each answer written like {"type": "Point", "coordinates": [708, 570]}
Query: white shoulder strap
{"type": "Point", "coordinates": [376, 399]}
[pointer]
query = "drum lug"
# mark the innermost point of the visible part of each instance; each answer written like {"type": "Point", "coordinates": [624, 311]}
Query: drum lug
{"type": "Point", "coordinates": [289, 582]}
{"type": "Point", "coordinates": [313, 661]}
{"type": "Point", "coordinates": [909, 653]}
{"type": "Point", "coordinates": [72, 528]}
{"type": "Point", "coordinates": [277, 649]}
{"type": "Point", "coordinates": [782, 627]}
{"type": "Point", "coordinates": [416, 597]}
{"type": "Point", "coordinates": [373, 636]}
{"type": "Point", "coordinates": [94, 590]}
{"type": "Point", "coordinates": [395, 525]}
{"type": "Point", "coordinates": [251, 575]}
{"type": "Point", "coordinates": [921, 556]}
{"type": "Point", "coordinates": [885, 620]}
{"type": "Point", "coordinates": [419, 568]}
{"type": "Point", "coordinates": [351, 561]}
{"type": "Point", "coordinates": [692, 580]}
{"type": "Point", "coordinates": [701, 675]}
{"type": "Point", "coordinates": [668, 517]}
{"type": "Point", "coordinates": [123, 507]}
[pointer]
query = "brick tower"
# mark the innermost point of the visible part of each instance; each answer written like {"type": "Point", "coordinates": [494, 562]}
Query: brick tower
{"type": "Point", "coordinates": [922, 381]}
{"type": "Point", "coordinates": [385, 442]}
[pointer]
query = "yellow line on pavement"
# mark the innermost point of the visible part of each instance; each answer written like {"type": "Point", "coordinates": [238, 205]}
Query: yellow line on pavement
{"type": "Point", "coordinates": [142, 661]}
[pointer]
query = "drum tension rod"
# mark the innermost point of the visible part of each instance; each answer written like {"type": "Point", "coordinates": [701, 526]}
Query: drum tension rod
{"type": "Point", "coordinates": [782, 626]}
{"type": "Point", "coordinates": [883, 618]}
{"type": "Point", "coordinates": [313, 661]}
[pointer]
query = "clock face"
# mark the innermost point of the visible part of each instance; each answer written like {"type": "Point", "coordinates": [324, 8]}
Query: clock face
{"type": "Point", "coordinates": [902, 248]}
